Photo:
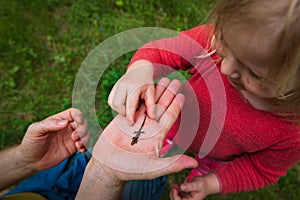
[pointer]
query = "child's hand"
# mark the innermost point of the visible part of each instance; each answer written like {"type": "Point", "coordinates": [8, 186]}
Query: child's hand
{"type": "Point", "coordinates": [136, 84]}
{"type": "Point", "coordinates": [198, 188]}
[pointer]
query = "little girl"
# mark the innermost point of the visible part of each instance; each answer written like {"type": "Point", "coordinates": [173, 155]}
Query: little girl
{"type": "Point", "coordinates": [256, 47]}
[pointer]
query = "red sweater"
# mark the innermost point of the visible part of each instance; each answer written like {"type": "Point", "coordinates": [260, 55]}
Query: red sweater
{"type": "Point", "coordinates": [258, 147]}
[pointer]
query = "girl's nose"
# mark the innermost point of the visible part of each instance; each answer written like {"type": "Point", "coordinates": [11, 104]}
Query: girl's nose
{"type": "Point", "coordinates": [229, 68]}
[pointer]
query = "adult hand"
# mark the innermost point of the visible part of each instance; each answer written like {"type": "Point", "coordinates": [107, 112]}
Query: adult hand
{"type": "Point", "coordinates": [115, 160]}
{"type": "Point", "coordinates": [114, 152]}
{"type": "Point", "coordinates": [49, 142]}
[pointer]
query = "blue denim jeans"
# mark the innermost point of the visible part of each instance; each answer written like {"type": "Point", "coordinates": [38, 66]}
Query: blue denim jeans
{"type": "Point", "coordinates": [62, 182]}
{"type": "Point", "coordinates": [144, 189]}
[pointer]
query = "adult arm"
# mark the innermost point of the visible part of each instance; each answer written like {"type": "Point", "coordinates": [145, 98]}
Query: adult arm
{"type": "Point", "coordinates": [45, 144]}
{"type": "Point", "coordinates": [115, 160]}
{"type": "Point", "coordinates": [13, 168]}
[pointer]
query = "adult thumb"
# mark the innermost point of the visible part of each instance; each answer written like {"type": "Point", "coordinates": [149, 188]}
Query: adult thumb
{"type": "Point", "coordinates": [48, 125]}
{"type": "Point", "coordinates": [174, 164]}
{"type": "Point", "coordinates": [181, 162]}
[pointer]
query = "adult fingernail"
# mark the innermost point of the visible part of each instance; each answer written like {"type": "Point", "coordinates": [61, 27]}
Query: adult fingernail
{"type": "Point", "coordinates": [130, 123]}
{"type": "Point", "coordinates": [62, 122]}
{"type": "Point", "coordinates": [152, 111]}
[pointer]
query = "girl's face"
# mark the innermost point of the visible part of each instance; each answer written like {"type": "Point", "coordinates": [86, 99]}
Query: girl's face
{"type": "Point", "coordinates": [244, 55]}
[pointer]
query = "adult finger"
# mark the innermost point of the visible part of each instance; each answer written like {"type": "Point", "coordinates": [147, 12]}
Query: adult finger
{"type": "Point", "coordinates": [80, 147]}
{"type": "Point", "coordinates": [82, 143]}
{"type": "Point", "coordinates": [167, 97]}
{"type": "Point", "coordinates": [76, 115]}
{"type": "Point", "coordinates": [169, 92]}
{"type": "Point", "coordinates": [82, 129]}
{"type": "Point", "coordinates": [131, 105]}
{"type": "Point", "coordinates": [71, 114]}
{"type": "Point", "coordinates": [85, 137]}
{"type": "Point", "coordinates": [150, 101]}
{"type": "Point", "coordinates": [170, 115]}
{"type": "Point", "coordinates": [161, 87]}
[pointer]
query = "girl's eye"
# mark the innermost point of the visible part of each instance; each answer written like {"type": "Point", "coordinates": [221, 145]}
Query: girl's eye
{"type": "Point", "coordinates": [253, 75]}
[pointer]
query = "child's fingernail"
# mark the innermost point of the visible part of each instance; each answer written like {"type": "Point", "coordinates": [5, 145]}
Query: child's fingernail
{"type": "Point", "coordinates": [62, 122]}
{"type": "Point", "coordinates": [183, 187]}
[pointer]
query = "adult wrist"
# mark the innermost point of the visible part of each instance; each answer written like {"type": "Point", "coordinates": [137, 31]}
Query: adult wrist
{"type": "Point", "coordinates": [105, 172]}
{"type": "Point", "coordinates": [24, 162]}
{"type": "Point", "coordinates": [99, 181]}
{"type": "Point", "coordinates": [13, 167]}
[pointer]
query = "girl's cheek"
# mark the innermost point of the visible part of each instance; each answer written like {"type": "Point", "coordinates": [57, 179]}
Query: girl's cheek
{"type": "Point", "coordinates": [248, 81]}
{"type": "Point", "coordinates": [260, 90]}
{"type": "Point", "coordinates": [251, 86]}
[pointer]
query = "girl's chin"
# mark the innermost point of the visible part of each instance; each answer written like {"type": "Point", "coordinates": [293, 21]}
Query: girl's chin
{"type": "Point", "coordinates": [259, 103]}
{"type": "Point", "coordinates": [241, 87]}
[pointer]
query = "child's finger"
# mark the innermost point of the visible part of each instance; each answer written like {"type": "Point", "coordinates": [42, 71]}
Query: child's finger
{"type": "Point", "coordinates": [131, 105]}
{"type": "Point", "coordinates": [149, 101]}
{"type": "Point", "coordinates": [117, 102]}
{"type": "Point", "coordinates": [112, 95]}
{"type": "Point", "coordinates": [194, 186]}
{"type": "Point", "coordinates": [174, 195]}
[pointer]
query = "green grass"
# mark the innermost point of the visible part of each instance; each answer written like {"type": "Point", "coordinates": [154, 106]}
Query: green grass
{"type": "Point", "coordinates": [44, 42]}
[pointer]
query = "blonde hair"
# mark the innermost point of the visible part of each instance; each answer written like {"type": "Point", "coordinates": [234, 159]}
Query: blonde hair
{"type": "Point", "coordinates": [281, 19]}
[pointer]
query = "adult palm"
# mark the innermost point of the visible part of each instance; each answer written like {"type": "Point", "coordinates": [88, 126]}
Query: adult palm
{"type": "Point", "coordinates": [114, 151]}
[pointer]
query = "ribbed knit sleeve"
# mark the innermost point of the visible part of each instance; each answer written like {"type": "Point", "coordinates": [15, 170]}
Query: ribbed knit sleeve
{"type": "Point", "coordinates": [255, 170]}
{"type": "Point", "coordinates": [179, 52]}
